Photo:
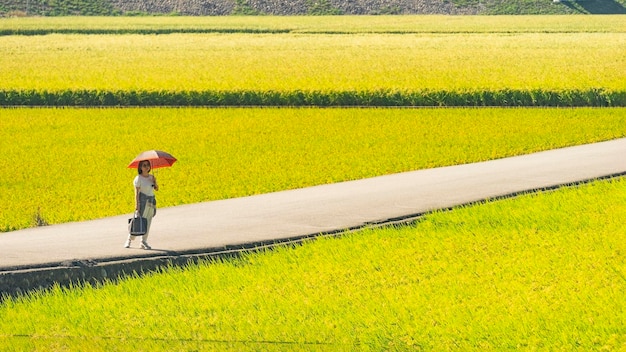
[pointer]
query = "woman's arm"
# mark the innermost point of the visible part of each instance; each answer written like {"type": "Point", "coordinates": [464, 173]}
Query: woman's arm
{"type": "Point", "coordinates": [136, 198]}
{"type": "Point", "coordinates": [155, 184]}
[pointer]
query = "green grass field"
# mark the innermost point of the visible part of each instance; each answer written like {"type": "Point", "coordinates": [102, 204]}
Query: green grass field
{"type": "Point", "coordinates": [538, 272]}
{"type": "Point", "coordinates": [70, 164]}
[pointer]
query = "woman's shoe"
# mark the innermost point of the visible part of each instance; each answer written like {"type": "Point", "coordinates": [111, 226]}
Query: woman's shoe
{"type": "Point", "coordinates": [145, 245]}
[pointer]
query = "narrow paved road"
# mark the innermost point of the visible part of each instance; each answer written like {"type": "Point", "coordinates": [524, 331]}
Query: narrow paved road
{"type": "Point", "coordinates": [211, 226]}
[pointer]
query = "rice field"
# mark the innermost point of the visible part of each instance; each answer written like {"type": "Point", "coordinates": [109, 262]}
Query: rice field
{"type": "Point", "coordinates": [323, 61]}
{"type": "Point", "coordinates": [337, 53]}
{"type": "Point", "coordinates": [70, 164]}
{"type": "Point", "coordinates": [313, 62]}
{"type": "Point", "coordinates": [538, 272]}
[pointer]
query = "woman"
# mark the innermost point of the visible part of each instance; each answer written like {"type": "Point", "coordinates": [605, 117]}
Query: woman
{"type": "Point", "coordinates": [145, 202]}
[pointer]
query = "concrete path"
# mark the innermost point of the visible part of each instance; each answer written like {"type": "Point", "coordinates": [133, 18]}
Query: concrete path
{"type": "Point", "coordinates": [212, 226]}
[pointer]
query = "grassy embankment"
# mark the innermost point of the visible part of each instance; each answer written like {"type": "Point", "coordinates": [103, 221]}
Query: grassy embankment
{"type": "Point", "coordinates": [20, 8]}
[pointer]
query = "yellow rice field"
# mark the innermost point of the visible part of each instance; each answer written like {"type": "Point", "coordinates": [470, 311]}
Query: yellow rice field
{"type": "Point", "coordinates": [284, 62]}
{"type": "Point", "coordinates": [70, 164]}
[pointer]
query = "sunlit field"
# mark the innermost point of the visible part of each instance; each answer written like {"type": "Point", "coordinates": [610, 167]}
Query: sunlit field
{"type": "Point", "coordinates": [539, 272]}
{"type": "Point", "coordinates": [340, 53]}
{"type": "Point", "coordinates": [543, 271]}
{"type": "Point", "coordinates": [314, 62]}
{"type": "Point", "coordinates": [70, 164]}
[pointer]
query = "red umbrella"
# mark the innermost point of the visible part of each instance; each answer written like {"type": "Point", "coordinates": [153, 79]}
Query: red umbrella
{"type": "Point", "coordinates": [157, 159]}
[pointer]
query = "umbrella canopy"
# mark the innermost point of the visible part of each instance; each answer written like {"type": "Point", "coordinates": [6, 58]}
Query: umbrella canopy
{"type": "Point", "coordinates": [157, 159]}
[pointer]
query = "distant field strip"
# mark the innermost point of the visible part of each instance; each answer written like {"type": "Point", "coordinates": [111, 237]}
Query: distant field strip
{"type": "Point", "coordinates": [361, 62]}
{"type": "Point", "coordinates": [315, 24]}
{"type": "Point", "coordinates": [65, 165]}
{"type": "Point", "coordinates": [307, 61]}
{"type": "Point", "coordinates": [527, 69]}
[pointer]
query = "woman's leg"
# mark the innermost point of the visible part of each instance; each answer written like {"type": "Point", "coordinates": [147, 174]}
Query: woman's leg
{"type": "Point", "coordinates": [148, 214]}
{"type": "Point", "coordinates": [129, 240]}
{"type": "Point", "coordinates": [144, 238]}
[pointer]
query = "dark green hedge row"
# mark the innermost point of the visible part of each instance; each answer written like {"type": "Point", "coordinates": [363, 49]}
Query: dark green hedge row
{"type": "Point", "coordinates": [565, 98]}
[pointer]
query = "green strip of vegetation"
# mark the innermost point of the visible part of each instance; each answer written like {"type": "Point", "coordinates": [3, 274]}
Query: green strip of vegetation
{"type": "Point", "coordinates": [383, 98]}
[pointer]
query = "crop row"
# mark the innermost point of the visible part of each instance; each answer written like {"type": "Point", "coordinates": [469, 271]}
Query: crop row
{"type": "Point", "coordinates": [505, 97]}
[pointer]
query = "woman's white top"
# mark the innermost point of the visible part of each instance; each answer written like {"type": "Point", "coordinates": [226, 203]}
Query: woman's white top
{"type": "Point", "coordinates": [144, 184]}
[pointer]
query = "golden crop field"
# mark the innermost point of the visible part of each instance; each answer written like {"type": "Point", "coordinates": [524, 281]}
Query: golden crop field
{"type": "Point", "coordinates": [70, 164]}
{"type": "Point", "coordinates": [540, 271]}
{"type": "Point", "coordinates": [285, 62]}
{"type": "Point", "coordinates": [329, 53]}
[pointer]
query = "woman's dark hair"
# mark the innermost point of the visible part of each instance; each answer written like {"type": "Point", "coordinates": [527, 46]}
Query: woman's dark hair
{"type": "Point", "coordinates": [141, 163]}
